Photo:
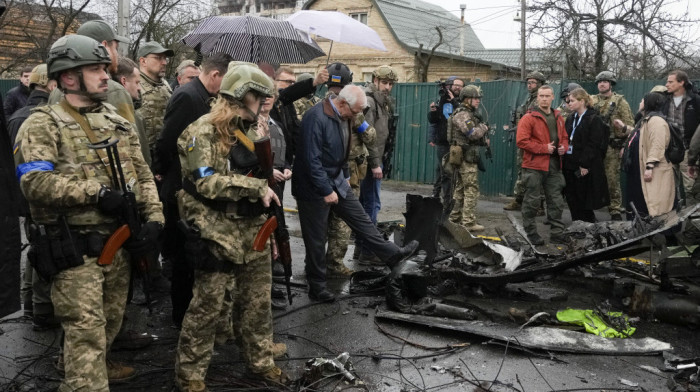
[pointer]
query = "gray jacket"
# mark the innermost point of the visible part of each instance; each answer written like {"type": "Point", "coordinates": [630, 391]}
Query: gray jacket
{"type": "Point", "coordinates": [379, 111]}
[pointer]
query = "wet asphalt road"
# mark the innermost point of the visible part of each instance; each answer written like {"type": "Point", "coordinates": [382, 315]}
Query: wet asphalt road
{"type": "Point", "coordinates": [399, 357]}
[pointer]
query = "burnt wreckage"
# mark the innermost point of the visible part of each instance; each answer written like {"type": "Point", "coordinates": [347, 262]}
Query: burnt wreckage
{"type": "Point", "coordinates": [421, 290]}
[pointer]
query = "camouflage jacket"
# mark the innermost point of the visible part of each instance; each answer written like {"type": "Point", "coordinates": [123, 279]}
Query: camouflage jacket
{"type": "Point", "coordinates": [205, 162]}
{"type": "Point", "coordinates": [529, 104]}
{"type": "Point", "coordinates": [154, 100]}
{"type": "Point", "coordinates": [466, 130]}
{"type": "Point", "coordinates": [303, 104]}
{"type": "Point", "coordinates": [380, 108]}
{"type": "Point", "coordinates": [60, 175]}
{"type": "Point", "coordinates": [564, 110]}
{"type": "Point", "coordinates": [117, 96]}
{"type": "Point", "coordinates": [621, 111]}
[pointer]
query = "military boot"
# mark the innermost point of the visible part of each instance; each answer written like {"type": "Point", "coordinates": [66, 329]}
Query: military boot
{"type": "Point", "coordinates": [190, 386]}
{"type": "Point", "coordinates": [338, 271]}
{"type": "Point", "coordinates": [278, 350]}
{"type": "Point", "coordinates": [514, 205]}
{"type": "Point", "coordinates": [273, 375]}
{"type": "Point", "coordinates": [476, 227]}
{"type": "Point", "coordinates": [119, 373]}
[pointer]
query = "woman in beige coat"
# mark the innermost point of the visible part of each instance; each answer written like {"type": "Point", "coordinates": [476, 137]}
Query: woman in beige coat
{"type": "Point", "coordinates": [652, 188]}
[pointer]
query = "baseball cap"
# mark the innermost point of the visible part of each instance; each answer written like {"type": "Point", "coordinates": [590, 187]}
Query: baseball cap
{"type": "Point", "coordinates": [153, 47]}
{"type": "Point", "coordinates": [100, 31]}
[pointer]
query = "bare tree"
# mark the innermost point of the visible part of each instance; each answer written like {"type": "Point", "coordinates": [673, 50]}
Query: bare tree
{"type": "Point", "coordinates": [422, 60]}
{"type": "Point", "coordinates": [637, 38]}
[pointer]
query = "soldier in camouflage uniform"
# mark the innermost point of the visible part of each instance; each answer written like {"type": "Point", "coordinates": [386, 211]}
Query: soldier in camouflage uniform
{"type": "Point", "coordinates": [612, 106]}
{"type": "Point", "coordinates": [68, 189]}
{"type": "Point", "coordinates": [224, 207]}
{"type": "Point", "coordinates": [534, 81]}
{"type": "Point", "coordinates": [155, 90]}
{"type": "Point", "coordinates": [301, 105]}
{"type": "Point", "coordinates": [466, 132]}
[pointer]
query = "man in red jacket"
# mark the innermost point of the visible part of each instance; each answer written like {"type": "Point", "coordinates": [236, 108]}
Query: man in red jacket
{"type": "Point", "coordinates": [543, 139]}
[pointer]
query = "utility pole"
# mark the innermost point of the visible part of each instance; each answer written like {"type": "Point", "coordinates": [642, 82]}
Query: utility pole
{"type": "Point", "coordinates": [461, 30]}
{"type": "Point", "coordinates": [123, 24]}
{"type": "Point", "coordinates": [523, 67]}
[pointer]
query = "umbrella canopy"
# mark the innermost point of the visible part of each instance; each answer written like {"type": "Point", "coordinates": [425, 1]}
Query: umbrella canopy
{"type": "Point", "coordinates": [338, 27]}
{"type": "Point", "coordinates": [253, 39]}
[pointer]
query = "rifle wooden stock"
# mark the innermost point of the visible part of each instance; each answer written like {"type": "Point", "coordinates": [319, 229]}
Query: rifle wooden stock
{"type": "Point", "coordinates": [115, 241]}
{"type": "Point", "coordinates": [264, 233]}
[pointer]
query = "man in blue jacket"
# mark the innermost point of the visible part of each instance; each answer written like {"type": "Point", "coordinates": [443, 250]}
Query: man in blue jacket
{"type": "Point", "coordinates": [320, 184]}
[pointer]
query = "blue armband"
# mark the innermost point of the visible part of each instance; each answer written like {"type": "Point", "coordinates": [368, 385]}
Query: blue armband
{"type": "Point", "coordinates": [24, 168]}
{"type": "Point", "coordinates": [363, 127]}
{"type": "Point", "coordinates": [470, 132]}
{"type": "Point", "coordinates": [202, 172]}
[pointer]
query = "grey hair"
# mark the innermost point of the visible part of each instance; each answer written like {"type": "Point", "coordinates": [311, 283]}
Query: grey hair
{"type": "Point", "coordinates": [352, 95]}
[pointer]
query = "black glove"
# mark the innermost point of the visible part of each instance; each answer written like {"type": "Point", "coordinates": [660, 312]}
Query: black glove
{"type": "Point", "coordinates": [110, 201]}
{"type": "Point", "coordinates": [146, 241]}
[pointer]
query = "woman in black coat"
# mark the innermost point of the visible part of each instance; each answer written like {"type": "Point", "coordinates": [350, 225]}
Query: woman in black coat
{"type": "Point", "coordinates": [586, 185]}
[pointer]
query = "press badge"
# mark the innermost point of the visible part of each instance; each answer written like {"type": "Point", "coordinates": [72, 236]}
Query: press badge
{"type": "Point", "coordinates": [571, 149]}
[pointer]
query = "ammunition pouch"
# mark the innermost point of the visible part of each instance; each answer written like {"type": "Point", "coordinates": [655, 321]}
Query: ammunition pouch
{"type": "Point", "coordinates": [455, 155]}
{"type": "Point", "coordinates": [471, 154]}
{"type": "Point", "coordinates": [617, 143]}
{"type": "Point", "coordinates": [360, 159]}
{"type": "Point", "coordinates": [249, 209]}
{"type": "Point", "coordinates": [197, 252]}
{"type": "Point", "coordinates": [54, 250]}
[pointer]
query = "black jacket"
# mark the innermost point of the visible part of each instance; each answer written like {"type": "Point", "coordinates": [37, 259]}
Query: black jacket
{"type": "Point", "coordinates": [15, 99]}
{"type": "Point", "coordinates": [586, 152]}
{"type": "Point", "coordinates": [186, 105]}
{"type": "Point", "coordinates": [36, 98]}
{"type": "Point", "coordinates": [691, 115]}
{"type": "Point", "coordinates": [285, 114]}
{"type": "Point", "coordinates": [438, 120]}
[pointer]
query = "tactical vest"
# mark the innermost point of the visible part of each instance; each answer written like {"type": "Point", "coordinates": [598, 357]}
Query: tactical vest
{"type": "Point", "coordinates": [470, 148]}
{"type": "Point", "coordinates": [83, 163]}
{"type": "Point", "coordinates": [602, 105]}
{"type": "Point", "coordinates": [154, 101]}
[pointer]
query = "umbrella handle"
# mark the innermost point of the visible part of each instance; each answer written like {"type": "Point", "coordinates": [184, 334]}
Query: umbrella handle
{"type": "Point", "coordinates": [329, 54]}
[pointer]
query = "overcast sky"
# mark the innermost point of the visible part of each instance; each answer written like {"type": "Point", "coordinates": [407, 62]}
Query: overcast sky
{"type": "Point", "coordinates": [493, 23]}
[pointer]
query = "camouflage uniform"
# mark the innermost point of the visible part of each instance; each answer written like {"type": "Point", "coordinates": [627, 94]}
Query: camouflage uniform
{"type": "Point", "coordinates": [564, 110]}
{"type": "Point", "coordinates": [338, 230]}
{"type": "Point", "coordinates": [303, 104]}
{"type": "Point", "coordinates": [622, 112]}
{"type": "Point", "coordinates": [89, 299]}
{"type": "Point", "coordinates": [117, 96]}
{"type": "Point", "coordinates": [229, 238]}
{"type": "Point", "coordinates": [154, 100]}
{"type": "Point", "coordinates": [466, 130]}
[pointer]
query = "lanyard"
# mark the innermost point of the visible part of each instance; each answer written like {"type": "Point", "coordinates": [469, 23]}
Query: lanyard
{"type": "Point", "coordinates": [576, 124]}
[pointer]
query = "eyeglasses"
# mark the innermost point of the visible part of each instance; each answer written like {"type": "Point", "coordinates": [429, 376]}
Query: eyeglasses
{"type": "Point", "coordinates": [288, 81]}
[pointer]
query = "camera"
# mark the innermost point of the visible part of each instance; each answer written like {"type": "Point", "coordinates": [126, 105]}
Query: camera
{"type": "Point", "coordinates": [444, 87]}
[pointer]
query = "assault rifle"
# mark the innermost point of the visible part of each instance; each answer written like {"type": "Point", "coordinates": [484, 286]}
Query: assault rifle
{"type": "Point", "coordinates": [276, 221]}
{"type": "Point", "coordinates": [389, 146]}
{"type": "Point", "coordinates": [129, 216]}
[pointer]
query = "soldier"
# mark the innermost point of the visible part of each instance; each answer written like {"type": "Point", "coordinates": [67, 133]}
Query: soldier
{"type": "Point", "coordinates": [611, 107]}
{"type": "Point", "coordinates": [303, 104]}
{"type": "Point", "coordinates": [361, 135]}
{"type": "Point", "coordinates": [76, 210]}
{"type": "Point", "coordinates": [466, 133]}
{"type": "Point", "coordinates": [224, 207]}
{"type": "Point", "coordinates": [155, 91]}
{"type": "Point", "coordinates": [534, 81]}
{"type": "Point", "coordinates": [564, 105]}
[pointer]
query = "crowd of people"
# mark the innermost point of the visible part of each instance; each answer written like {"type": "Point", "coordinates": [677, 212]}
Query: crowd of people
{"type": "Point", "coordinates": [122, 173]}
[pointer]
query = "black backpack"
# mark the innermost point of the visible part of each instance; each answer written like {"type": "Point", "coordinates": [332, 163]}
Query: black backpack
{"type": "Point", "coordinates": [675, 152]}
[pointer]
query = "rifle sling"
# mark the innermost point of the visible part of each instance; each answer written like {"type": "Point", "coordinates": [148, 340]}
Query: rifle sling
{"type": "Point", "coordinates": [82, 121]}
{"type": "Point", "coordinates": [189, 187]}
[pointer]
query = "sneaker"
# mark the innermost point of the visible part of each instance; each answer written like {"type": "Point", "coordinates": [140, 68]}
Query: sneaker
{"type": "Point", "coordinates": [278, 350]}
{"type": "Point", "coordinates": [322, 296]}
{"type": "Point", "coordinates": [191, 385]}
{"type": "Point", "coordinates": [476, 227]}
{"type": "Point", "coordinates": [274, 375]}
{"type": "Point", "coordinates": [558, 239]}
{"type": "Point", "coordinates": [535, 239]}
{"type": "Point", "coordinates": [339, 271]}
{"type": "Point", "coordinates": [513, 206]}
{"type": "Point", "coordinates": [119, 373]}
{"type": "Point", "coordinates": [44, 322]}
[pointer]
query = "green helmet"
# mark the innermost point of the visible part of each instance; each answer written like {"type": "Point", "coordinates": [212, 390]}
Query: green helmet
{"type": "Point", "coordinates": [538, 76]}
{"type": "Point", "coordinates": [606, 76]}
{"type": "Point", "coordinates": [243, 78]}
{"type": "Point", "coordinates": [470, 91]}
{"type": "Point", "coordinates": [39, 76]}
{"type": "Point", "coordinates": [72, 51]}
{"type": "Point", "coordinates": [569, 88]}
{"type": "Point", "coordinates": [304, 76]}
{"type": "Point", "coordinates": [385, 72]}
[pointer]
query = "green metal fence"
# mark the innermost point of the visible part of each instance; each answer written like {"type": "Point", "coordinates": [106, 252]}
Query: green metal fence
{"type": "Point", "coordinates": [416, 161]}
{"type": "Point", "coordinates": [7, 84]}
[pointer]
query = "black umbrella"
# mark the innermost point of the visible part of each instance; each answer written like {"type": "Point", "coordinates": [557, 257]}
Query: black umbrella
{"type": "Point", "coordinates": [253, 39]}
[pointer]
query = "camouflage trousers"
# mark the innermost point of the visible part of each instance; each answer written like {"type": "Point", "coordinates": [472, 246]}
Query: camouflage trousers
{"type": "Point", "coordinates": [612, 172]}
{"type": "Point", "coordinates": [553, 183]}
{"type": "Point", "coordinates": [466, 194]}
{"type": "Point", "coordinates": [89, 300]}
{"type": "Point", "coordinates": [248, 286]}
{"type": "Point", "coordinates": [338, 230]}
{"type": "Point", "coordinates": [519, 188]}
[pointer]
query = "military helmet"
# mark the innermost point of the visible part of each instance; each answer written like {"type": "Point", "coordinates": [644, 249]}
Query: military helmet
{"type": "Point", "coordinates": [538, 76]}
{"type": "Point", "coordinates": [470, 91]}
{"type": "Point", "coordinates": [606, 76]}
{"type": "Point", "coordinates": [385, 72]}
{"type": "Point", "coordinates": [304, 76]}
{"type": "Point", "coordinates": [569, 88]}
{"type": "Point", "coordinates": [72, 51]}
{"type": "Point", "coordinates": [339, 75]}
{"type": "Point", "coordinates": [39, 76]}
{"type": "Point", "coordinates": [243, 78]}
{"type": "Point", "coordinates": [659, 89]}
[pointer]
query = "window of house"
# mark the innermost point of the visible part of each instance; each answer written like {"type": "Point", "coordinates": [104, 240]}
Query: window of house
{"type": "Point", "coordinates": [360, 17]}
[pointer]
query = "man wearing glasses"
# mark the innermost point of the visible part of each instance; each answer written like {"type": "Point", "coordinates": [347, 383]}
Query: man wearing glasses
{"type": "Point", "coordinates": [153, 58]}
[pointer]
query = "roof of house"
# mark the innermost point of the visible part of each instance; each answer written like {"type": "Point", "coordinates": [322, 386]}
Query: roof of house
{"type": "Point", "coordinates": [536, 58]}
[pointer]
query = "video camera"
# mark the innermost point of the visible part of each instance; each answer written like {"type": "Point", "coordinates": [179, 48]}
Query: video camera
{"type": "Point", "coordinates": [444, 87]}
